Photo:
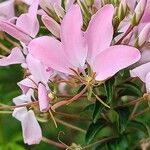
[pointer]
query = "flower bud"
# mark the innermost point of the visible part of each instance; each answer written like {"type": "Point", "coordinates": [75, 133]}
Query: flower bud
{"type": "Point", "coordinates": [51, 25]}
{"type": "Point", "coordinates": [122, 10]}
{"type": "Point", "coordinates": [104, 2]}
{"type": "Point", "coordinates": [139, 11]}
{"type": "Point", "coordinates": [89, 2]}
{"type": "Point", "coordinates": [143, 36]}
{"type": "Point", "coordinates": [115, 2]}
{"type": "Point", "coordinates": [84, 8]}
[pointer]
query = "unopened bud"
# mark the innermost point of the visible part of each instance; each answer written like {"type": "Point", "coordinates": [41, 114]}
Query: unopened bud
{"type": "Point", "coordinates": [115, 2]}
{"type": "Point", "coordinates": [122, 10]}
{"type": "Point", "coordinates": [104, 2]}
{"type": "Point", "coordinates": [84, 8]}
{"type": "Point", "coordinates": [51, 25]}
{"type": "Point", "coordinates": [74, 147]}
{"type": "Point", "coordinates": [90, 2]}
{"type": "Point", "coordinates": [143, 36]}
{"type": "Point", "coordinates": [146, 96]}
{"type": "Point", "coordinates": [139, 11]}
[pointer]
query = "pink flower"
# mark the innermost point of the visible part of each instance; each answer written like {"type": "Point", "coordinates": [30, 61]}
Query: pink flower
{"type": "Point", "coordinates": [38, 79]}
{"type": "Point", "coordinates": [32, 133]}
{"type": "Point", "coordinates": [26, 27]}
{"type": "Point", "coordinates": [7, 9]}
{"type": "Point", "coordinates": [78, 47]}
{"type": "Point", "coordinates": [143, 72]}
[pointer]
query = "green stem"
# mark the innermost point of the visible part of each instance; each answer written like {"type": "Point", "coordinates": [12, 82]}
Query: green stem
{"type": "Point", "coordinates": [5, 112]}
{"type": "Point", "coordinates": [98, 142]}
{"type": "Point", "coordinates": [69, 125]}
{"type": "Point", "coordinates": [140, 113]}
{"type": "Point", "coordinates": [51, 142]}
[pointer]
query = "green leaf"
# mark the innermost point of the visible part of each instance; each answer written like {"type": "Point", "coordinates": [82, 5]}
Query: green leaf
{"type": "Point", "coordinates": [139, 126]}
{"type": "Point", "coordinates": [81, 88]}
{"type": "Point", "coordinates": [109, 88]}
{"type": "Point", "coordinates": [114, 118]}
{"type": "Point", "coordinates": [94, 129]}
{"type": "Point", "coordinates": [98, 108]}
{"type": "Point", "coordinates": [124, 114]}
{"type": "Point", "coordinates": [131, 89]}
{"type": "Point", "coordinates": [89, 108]}
{"type": "Point", "coordinates": [120, 143]}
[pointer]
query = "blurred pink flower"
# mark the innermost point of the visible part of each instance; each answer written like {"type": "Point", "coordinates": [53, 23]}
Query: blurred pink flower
{"type": "Point", "coordinates": [76, 47]}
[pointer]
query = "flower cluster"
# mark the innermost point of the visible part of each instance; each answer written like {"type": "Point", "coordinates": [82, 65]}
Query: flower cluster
{"type": "Point", "coordinates": [71, 44]}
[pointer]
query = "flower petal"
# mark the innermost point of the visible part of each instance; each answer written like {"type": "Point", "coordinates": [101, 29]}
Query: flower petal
{"type": "Point", "coordinates": [24, 98]}
{"type": "Point", "coordinates": [32, 133]}
{"type": "Point", "coordinates": [145, 17]}
{"type": "Point", "coordinates": [19, 113]}
{"type": "Point", "coordinates": [72, 37]}
{"type": "Point", "coordinates": [37, 69]}
{"type": "Point", "coordinates": [141, 71]}
{"type": "Point", "coordinates": [113, 59]}
{"type": "Point", "coordinates": [28, 22]}
{"type": "Point", "coordinates": [100, 31]}
{"type": "Point", "coordinates": [43, 98]}
{"type": "Point", "coordinates": [50, 52]}
{"type": "Point", "coordinates": [7, 9]}
{"type": "Point", "coordinates": [14, 31]}
{"type": "Point", "coordinates": [16, 57]}
{"type": "Point", "coordinates": [147, 81]}
{"type": "Point", "coordinates": [27, 83]}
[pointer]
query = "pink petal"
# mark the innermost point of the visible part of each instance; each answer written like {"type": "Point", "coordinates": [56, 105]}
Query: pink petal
{"type": "Point", "coordinates": [32, 133]}
{"type": "Point", "coordinates": [27, 83]}
{"type": "Point", "coordinates": [51, 25]}
{"type": "Point", "coordinates": [19, 113]}
{"type": "Point", "coordinates": [28, 22]}
{"type": "Point", "coordinates": [141, 71]}
{"type": "Point", "coordinates": [37, 69]}
{"type": "Point", "coordinates": [43, 98]}
{"type": "Point", "coordinates": [69, 3]}
{"type": "Point", "coordinates": [72, 37]}
{"type": "Point", "coordinates": [145, 57]}
{"type": "Point", "coordinates": [113, 59]}
{"type": "Point", "coordinates": [16, 57]}
{"type": "Point", "coordinates": [131, 4]}
{"type": "Point", "coordinates": [14, 31]}
{"type": "Point", "coordinates": [28, 2]}
{"type": "Point", "coordinates": [146, 18]}
{"type": "Point", "coordinates": [24, 98]}
{"type": "Point", "coordinates": [50, 52]}
{"type": "Point", "coordinates": [7, 10]}
{"type": "Point", "coordinates": [100, 31]}
{"type": "Point", "coordinates": [147, 81]}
